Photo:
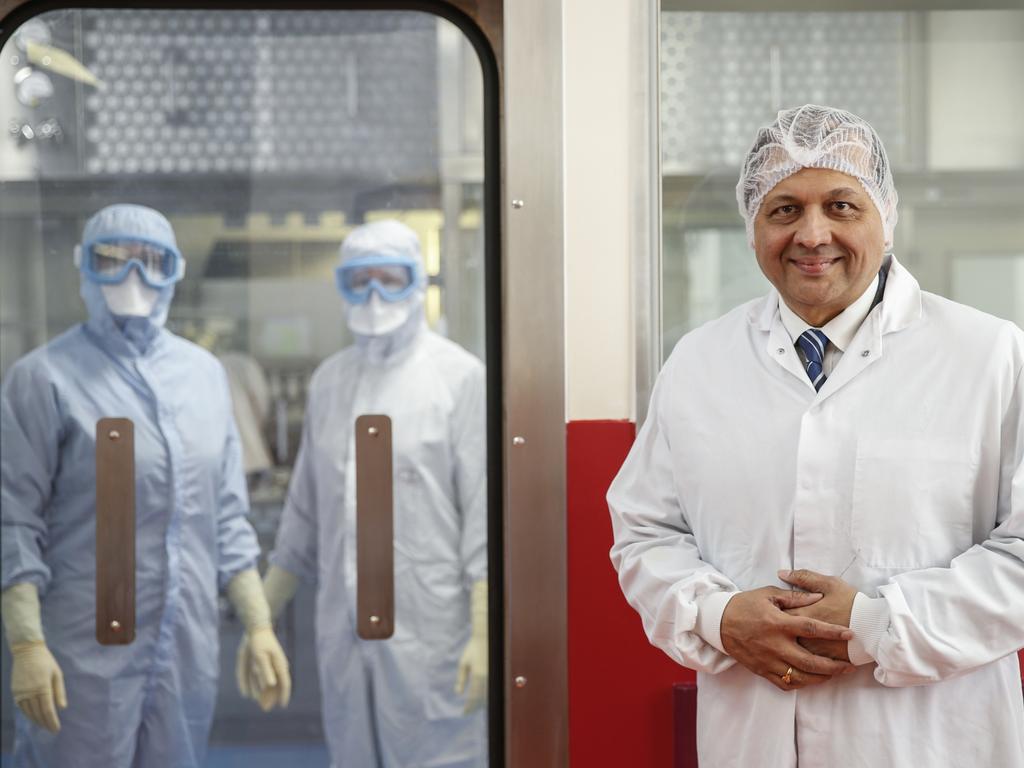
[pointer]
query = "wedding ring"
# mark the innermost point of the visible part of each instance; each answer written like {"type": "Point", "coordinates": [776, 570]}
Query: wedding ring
{"type": "Point", "coordinates": [788, 677]}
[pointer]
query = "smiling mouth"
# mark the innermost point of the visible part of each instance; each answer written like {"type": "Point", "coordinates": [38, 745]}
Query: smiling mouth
{"type": "Point", "coordinates": [815, 266]}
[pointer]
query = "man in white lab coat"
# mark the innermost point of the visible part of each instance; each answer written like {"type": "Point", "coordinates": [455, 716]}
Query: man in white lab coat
{"type": "Point", "coordinates": [823, 513]}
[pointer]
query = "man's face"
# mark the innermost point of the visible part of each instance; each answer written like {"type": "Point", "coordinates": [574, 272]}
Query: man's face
{"type": "Point", "coordinates": [819, 241]}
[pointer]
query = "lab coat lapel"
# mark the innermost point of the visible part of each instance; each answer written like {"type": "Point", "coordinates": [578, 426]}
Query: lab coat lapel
{"type": "Point", "coordinates": [900, 306]}
{"type": "Point", "coordinates": [779, 346]}
{"type": "Point", "coordinates": [864, 351]}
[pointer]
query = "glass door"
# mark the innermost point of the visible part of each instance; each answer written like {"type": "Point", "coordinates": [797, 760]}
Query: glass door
{"type": "Point", "coordinates": [246, 232]}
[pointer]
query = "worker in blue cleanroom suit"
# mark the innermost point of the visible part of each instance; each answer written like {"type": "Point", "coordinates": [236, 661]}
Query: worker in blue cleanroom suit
{"type": "Point", "coordinates": [149, 703]}
{"type": "Point", "coordinates": [417, 698]}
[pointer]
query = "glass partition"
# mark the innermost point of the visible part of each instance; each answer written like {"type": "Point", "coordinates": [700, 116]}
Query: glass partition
{"type": "Point", "coordinates": [267, 139]}
{"type": "Point", "coordinates": [938, 86]}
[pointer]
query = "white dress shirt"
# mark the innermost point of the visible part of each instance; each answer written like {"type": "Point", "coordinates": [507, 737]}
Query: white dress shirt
{"type": "Point", "coordinates": [840, 330]}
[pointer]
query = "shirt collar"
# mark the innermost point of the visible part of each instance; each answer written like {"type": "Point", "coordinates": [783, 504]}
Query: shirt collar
{"type": "Point", "coordinates": [840, 329]}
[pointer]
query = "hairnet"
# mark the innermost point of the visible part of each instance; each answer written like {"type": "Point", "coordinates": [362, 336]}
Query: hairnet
{"type": "Point", "coordinates": [817, 137]}
{"type": "Point", "coordinates": [384, 239]}
{"type": "Point", "coordinates": [129, 221]}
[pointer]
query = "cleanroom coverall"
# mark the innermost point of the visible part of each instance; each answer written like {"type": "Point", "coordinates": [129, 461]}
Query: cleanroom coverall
{"type": "Point", "coordinates": [904, 476]}
{"type": "Point", "coordinates": [395, 695]}
{"type": "Point", "coordinates": [149, 703]}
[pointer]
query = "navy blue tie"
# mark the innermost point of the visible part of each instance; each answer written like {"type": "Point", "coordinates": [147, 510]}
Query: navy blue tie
{"type": "Point", "coordinates": [813, 343]}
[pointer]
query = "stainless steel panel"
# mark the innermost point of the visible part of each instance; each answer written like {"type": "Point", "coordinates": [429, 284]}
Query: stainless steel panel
{"type": "Point", "coordinates": [645, 186]}
{"type": "Point", "coordinates": [537, 727]}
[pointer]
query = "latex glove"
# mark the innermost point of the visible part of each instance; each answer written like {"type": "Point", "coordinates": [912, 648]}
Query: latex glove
{"type": "Point", "coordinates": [475, 664]}
{"type": "Point", "coordinates": [279, 587]}
{"type": "Point", "coordinates": [261, 667]}
{"type": "Point", "coordinates": [37, 684]}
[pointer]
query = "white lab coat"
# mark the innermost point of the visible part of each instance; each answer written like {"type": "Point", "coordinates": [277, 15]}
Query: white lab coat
{"type": "Point", "coordinates": [903, 475]}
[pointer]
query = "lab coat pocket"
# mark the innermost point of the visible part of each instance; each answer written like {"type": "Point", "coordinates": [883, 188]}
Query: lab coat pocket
{"type": "Point", "coordinates": [911, 502]}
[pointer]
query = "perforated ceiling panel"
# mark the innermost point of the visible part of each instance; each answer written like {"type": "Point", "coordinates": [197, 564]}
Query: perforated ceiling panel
{"type": "Point", "coordinates": [216, 92]}
{"type": "Point", "coordinates": [725, 74]}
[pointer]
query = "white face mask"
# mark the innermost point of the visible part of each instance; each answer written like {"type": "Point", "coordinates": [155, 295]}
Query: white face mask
{"type": "Point", "coordinates": [377, 317]}
{"type": "Point", "coordinates": [131, 296]}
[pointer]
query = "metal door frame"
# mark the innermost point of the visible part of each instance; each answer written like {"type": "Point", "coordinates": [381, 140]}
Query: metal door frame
{"type": "Point", "coordinates": [536, 658]}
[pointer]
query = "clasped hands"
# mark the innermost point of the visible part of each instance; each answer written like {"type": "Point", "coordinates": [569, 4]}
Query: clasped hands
{"type": "Point", "coordinates": [792, 638]}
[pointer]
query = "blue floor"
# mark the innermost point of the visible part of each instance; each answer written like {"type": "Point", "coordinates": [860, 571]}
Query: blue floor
{"type": "Point", "coordinates": [263, 756]}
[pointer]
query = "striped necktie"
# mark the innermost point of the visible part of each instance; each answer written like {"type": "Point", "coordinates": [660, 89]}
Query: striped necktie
{"type": "Point", "coordinates": [813, 343]}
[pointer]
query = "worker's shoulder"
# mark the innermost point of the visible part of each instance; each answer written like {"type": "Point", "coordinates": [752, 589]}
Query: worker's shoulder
{"type": "Point", "coordinates": [199, 358]}
{"type": "Point", "coordinates": [58, 353]}
{"type": "Point", "coordinates": [707, 341]}
{"type": "Point", "coordinates": [334, 363]}
{"type": "Point", "coordinates": [449, 355]}
{"type": "Point", "coordinates": [956, 322]}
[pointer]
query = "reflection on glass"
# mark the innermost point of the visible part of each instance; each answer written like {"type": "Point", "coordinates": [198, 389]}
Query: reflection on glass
{"type": "Point", "coordinates": [951, 130]}
{"type": "Point", "coordinates": [265, 159]}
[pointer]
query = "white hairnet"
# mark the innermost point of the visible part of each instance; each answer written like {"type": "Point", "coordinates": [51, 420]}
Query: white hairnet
{"type": "Point", "coordinates": [817, 137]}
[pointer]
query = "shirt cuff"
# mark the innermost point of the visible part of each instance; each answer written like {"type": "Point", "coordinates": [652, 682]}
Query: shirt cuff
{"type": "Point", "coordinates": [869, 622]}
{"type": "Point", "coordinates": [709, 617]}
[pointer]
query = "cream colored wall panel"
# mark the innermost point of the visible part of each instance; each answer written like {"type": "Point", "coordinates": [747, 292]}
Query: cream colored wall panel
{"type": "Point", "coordinates": [599, 327]}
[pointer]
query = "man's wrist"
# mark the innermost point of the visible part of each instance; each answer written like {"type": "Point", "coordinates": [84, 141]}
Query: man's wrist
{"type": "Point", "coordinates": [869, 621]}
{"type": "Point", "coordinates": [709, 617]}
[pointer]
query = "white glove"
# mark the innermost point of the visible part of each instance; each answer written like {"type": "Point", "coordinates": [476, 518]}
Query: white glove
{"type": "Point", "coordinates": [475, 664]}
{"type": "Point", "coordinates": [261, 668]}
{"type": "Point", "coordinates": [37, 684]}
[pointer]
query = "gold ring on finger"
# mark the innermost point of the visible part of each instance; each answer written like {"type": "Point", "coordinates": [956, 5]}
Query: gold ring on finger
{"type": "Point", "coordinates": [788, 677]}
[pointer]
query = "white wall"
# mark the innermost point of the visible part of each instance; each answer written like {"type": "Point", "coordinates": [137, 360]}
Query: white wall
{"type": "Point", "coordinates": [599, 337]}
{"type": "Point", "coordinates": [976, 115]}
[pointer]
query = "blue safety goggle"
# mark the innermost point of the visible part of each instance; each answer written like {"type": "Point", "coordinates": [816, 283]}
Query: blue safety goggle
{"type": "Point", "coordinates": [393, 278]}
{"type": "Point", "coordinates": [108, 260]}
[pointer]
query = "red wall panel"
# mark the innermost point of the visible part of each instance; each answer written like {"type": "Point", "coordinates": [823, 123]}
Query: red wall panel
{"type": "Point", "coordinates": [620, 687]}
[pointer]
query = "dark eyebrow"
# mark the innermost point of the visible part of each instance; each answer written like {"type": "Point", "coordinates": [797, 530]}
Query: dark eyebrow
{"type": "Point", "coordinates": [843, 192]}
{"type": "Point", "coordinates": [784, 199]}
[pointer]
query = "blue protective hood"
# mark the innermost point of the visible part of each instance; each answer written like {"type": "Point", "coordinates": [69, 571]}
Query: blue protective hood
{"type": "Point", "coordinates": [126, 335]}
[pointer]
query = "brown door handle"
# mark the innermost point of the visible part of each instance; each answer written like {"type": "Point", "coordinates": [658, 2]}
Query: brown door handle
{"type": "Point", "coordinates": [115, 531]}
{"type": "Point", "coordinates": [375, 571]}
